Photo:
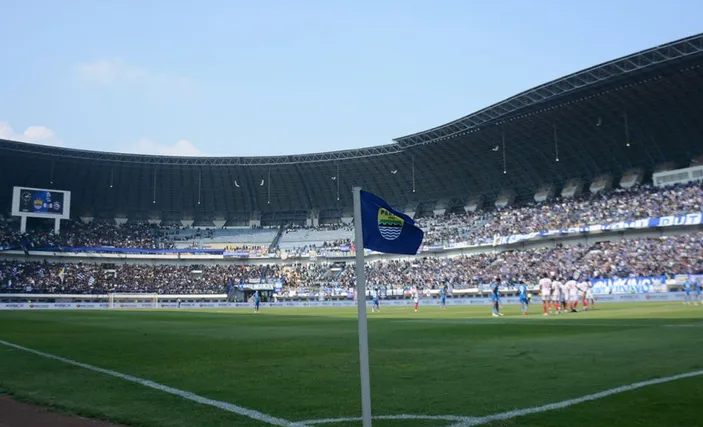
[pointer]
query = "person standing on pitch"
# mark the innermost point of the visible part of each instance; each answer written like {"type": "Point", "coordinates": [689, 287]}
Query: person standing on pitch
{"type": "Point", "coordinates": [563, 294]}
{"type": "Point", "coordinates": [376, 303]}
{"type": "Point", "coordinates": [524, 299]}
{"type": "Point", "coordinates": [583, 291]}
{"type": "Point", "coordinates": [589, 295]}
{"type": "Point", "coordinates": [443, 298]}
{"type": "Point", "coordinates": [572, 289]}
{"type": "Point", "coordinates": [687, 290]}
{"type": "Point", "coordinates": [556, 294]}
{"type": "Point", "coordinates": [545, 283]}
{"type": "Point", "coordinates": [495, 298]}
{"type": "Point", "coordinates": [257, 301]}
{"type": "Point", "coordinates": [416, 297]}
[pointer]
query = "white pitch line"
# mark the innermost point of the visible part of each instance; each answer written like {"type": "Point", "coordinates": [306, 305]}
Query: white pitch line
{"type": "Point", "coordinates": [390, 417]}
{"type": "Point", "coordinates": [229, 407]}
{"type": "Point", "coordinates": [566, 403]}
{"type": "Point", "coordinates": [256, 415]}
{"type": "Point", "coordinates": [467, 421]}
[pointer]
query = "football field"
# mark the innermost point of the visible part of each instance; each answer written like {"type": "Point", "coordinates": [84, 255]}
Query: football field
{"type": "Point", "coordinates": [621, 364]}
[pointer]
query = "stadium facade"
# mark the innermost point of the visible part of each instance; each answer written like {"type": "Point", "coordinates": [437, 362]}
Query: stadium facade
{"type": "Point", "coordinates": [639, 111]}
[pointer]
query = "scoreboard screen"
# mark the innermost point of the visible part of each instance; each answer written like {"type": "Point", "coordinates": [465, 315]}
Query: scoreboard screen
{"type": "Point", "coordinates": [33, 201]}
{"type": "Point", "coordinates": [38, 202]}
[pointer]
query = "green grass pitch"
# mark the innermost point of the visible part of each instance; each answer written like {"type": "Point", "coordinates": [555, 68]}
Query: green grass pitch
{"type": "Point", "coordinates": [302, 364]}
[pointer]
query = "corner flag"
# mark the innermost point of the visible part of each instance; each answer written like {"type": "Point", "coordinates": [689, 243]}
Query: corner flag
{"type": "Point", "coordinates": [387, 230]}
{"type": "Point", "coordinates": [378, 227]}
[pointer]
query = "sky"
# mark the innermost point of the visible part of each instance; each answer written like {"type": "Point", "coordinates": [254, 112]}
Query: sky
{"type": "Point", "coordinates": [272, 77]}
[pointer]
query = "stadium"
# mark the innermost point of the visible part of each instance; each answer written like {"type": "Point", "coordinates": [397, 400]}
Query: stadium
{"type": "Point", "coordinates": [152, 262]}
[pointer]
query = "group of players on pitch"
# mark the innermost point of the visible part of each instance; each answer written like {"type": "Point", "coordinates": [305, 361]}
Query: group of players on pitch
{"type": "Point", "coordinates": [693, 292]}
{"type": "Point", "coordinates": [558, 295]}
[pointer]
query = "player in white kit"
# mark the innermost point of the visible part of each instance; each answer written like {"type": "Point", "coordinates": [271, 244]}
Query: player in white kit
{"type": "Point", "coordinates": [557, 287]}
{"type": "Point", "coordinates": [589, 295]}
{"type": "Point", "coordinates": [583, 291]}
{"type": "Point", "coordinates": [573, 291]}
{"type": "Point", "coordinates": [545, 285]}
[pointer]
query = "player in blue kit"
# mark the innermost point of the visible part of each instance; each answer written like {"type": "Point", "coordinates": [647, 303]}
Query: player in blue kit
{"type": "Point", "coordinates": [376, 303]}
{"type": "Point", "coordinates": [443, 298]}
{"type": "Point", "coordinates": [257, 301]}
{"type": "Point", "coordinates": [687, 290]}
{"type": "Point", "coordinates": [698, 288]}
{"type": "Point", "coordinates": [495, 298]}
{"type": "Point", "coordinates": [523, 295]}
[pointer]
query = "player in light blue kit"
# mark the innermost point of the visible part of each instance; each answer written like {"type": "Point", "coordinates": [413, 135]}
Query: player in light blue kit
{"type": "Point", "coordinates": [687, 290]}
{"type": "Point", "coordinates": [443, 298]}
{"type": "Point", "coordinates": [495, 298]}
{"type": "Point", "coordinates": [257, 301]}
{"type": "Point", "coordinates": [376, 303]}
{"type": "Point", "coordinates": [698, 287]}
{"type": "Point", "coordinates": [524, 298]}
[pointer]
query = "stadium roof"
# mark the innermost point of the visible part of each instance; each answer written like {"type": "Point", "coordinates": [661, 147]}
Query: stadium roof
{"type": "Point", "coordinates": [636, 111]}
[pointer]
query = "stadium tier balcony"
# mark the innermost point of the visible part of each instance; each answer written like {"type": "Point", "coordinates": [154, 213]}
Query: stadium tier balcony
{"type": "Point", "coordinates": [293, 238]}
{"type": "Point", "coordinates": [243, 236]}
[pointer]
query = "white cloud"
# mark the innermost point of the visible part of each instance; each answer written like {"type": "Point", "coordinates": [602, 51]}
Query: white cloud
{"type": "Point", "coordinates": [146, 146]}
{"type": "Point", "coordinates": [115, 72]}
{"type": "Point", "coordinates": [33, 134]}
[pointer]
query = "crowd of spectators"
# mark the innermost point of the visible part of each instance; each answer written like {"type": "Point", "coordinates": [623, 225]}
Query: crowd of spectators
{"type": "Point", "coordinates": [91, 278]}
{"type": "Point", "coordinates": [325, 249]}
{"type": "Point", "coordinates": [451, 228]}
{"type": "Point", "coordinates": [78, 234]}
{"type": "Point", "coordinates": [639, 202]}
{"type": "Point", "coordinates": [333, 226]}
{"type": "Point", "coordinates": [681, 254]}
{"type": "Point", "coordinates": [624, 258]}
{"type": "Point", "coordinates": [339, 244]}
{"type": "Point", "coordinates": [251, 249]}
{"type": "Point", "coordinates": [481, 227]}
{"type": "Point", "coordinates": [473, 227]}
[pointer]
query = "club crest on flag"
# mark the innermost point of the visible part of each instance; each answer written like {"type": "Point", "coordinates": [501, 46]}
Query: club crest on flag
{"type": "Point", "coordinates": [389, 225]}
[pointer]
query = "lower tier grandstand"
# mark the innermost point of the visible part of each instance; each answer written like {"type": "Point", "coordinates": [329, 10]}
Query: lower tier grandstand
{"type": "Point", "coordinates": [615, 256]}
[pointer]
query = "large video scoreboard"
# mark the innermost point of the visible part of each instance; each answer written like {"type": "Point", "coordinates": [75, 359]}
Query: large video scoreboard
{"type": "Point", "coordinates": [41, 202]}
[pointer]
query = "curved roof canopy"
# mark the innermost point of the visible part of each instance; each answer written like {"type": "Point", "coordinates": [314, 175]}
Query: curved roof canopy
{"type": "Point", "coordinates": [640, 110]}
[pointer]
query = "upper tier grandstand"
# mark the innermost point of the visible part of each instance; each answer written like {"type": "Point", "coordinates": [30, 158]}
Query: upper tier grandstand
{"type": "Point", "coordinates": [449, 230]}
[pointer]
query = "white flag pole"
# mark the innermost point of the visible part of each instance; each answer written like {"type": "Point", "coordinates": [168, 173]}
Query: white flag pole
{"type": "Point", "coordinates": [361, 305]}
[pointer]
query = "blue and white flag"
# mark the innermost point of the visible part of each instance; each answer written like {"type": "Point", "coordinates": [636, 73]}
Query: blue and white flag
{"type": "Point", "coordinates": [386, 229]}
